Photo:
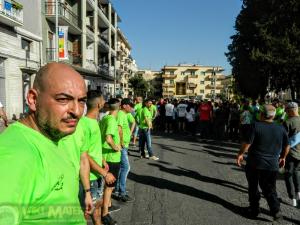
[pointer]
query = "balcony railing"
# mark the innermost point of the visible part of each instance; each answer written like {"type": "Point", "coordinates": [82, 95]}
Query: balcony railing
{"type": "Point", "coordinates": [169, 85]}
{"type": "Point", "coordinates": [192, 85]}
{"type": "Point", "coordinates": [12, 10]}
{"type": "Point", "coordinates": [50, 54]}
{"type": "Point", "coordinates": [63, 11]}
{"type": "Point", "coordinates": [73, 58]}
{"type": "Point", "coordinates": [169, 76]}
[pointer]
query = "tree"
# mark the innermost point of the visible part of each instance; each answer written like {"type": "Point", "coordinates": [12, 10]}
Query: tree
{"type": "Point", "coordinates": [139, 85]}
{"type": "Point", "coordinates": [265, 51]}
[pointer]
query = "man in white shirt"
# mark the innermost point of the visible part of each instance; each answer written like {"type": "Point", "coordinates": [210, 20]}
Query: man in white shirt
{"type": "Point", "coordinates": [169, 116]}
{"type": "Point", "coordinates": [181, 112]}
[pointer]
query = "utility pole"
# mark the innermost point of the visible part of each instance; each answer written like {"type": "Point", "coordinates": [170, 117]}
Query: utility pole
{"type": "Point", "coordinates": [56, 31]}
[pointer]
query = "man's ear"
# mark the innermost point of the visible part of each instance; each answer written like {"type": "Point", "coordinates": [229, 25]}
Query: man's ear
{"type": "Point", "coordinates": [32, 99]}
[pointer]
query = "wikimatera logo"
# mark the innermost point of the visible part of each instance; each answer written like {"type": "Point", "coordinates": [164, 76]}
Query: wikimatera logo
{"type": "Point", "coordinates": [9, 215]}
{"type": "Point", "coordinates": [12, 215]}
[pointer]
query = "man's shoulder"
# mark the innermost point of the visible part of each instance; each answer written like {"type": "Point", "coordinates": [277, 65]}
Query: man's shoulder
{"type": "Point", "coordinates": [15, 142]}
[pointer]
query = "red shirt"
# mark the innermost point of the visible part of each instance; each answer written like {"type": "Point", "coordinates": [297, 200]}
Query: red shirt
{"type": "Point", "coordinates": [205, 111]}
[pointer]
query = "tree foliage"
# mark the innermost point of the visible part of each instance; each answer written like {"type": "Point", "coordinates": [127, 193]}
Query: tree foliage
{"type": "Point", "coordinates": [265, 51]}
{"type": "Point", "coordinates": [139, 85]}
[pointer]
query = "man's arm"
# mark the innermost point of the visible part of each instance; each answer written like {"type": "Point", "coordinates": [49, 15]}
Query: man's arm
{"type": "Point", "coordinates": [283, 156]}
{"type": "Point", "coordinates": [240, 157]}
{"type": "Point", "coordinates": [109, 178]}
{"type": "Point", "coordinates": [112, 144]}
{"type": "Point", "coordinates": [132, 128]}
{"type": "Point", "coordinates": [121, 135]}
{"type": "Point", "coordinates": [85, 180]}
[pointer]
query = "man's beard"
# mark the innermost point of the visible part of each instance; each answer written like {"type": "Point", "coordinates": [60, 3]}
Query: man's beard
{"type": "Point", "coordinates": [51, 132]}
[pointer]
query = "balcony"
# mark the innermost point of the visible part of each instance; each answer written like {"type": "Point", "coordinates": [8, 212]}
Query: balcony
{"type": "Point", "coordinates": [91, 65]}
{"type": "Point", "coordinates": [209, 86]}
{"type": "Point", "coordinates": [192, 85]}
{"type": "Point", "coordinates": [73, 58]}
{"type": "Point", "coordinates": [169, 85]}
{"type": "Point", "coordinates": [169, 76]}
{"type": "Point", "coordinates": [90, 34]}
{"type": "Point", "coordinates": [11, 13]}
{"type": "Point", "coordinates": [217, 77]}
{"type": "Point", "coordinates": [103, 43]}
{"type": "Point", "coordinates": [168, 93]}
{"type": "Point", "coordinates": [193, 76]}
{"type": "Point", "coordinates": [66, 17]}
{"type": "Point", "coordinates": [103, 69]}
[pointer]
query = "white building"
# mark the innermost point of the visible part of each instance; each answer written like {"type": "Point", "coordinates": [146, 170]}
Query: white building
{"type": "Point", "coordinates": [20, 51]}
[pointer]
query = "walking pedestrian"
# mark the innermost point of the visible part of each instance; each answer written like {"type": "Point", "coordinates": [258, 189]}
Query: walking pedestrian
{"type": "Point", "coordinates": [292, 166]}
{"type": "Point", "coordinates": [267, 147]}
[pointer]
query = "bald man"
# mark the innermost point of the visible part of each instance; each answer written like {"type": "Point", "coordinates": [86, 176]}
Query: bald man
{"type": "Point", "coordinates": [39, 180]}
{"type": "Point", "coordinates": [267, 147]}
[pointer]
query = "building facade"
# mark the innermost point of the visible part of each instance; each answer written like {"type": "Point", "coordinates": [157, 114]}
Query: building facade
{"type": "Point", "coordinates": [228, 87]}
{"type": "Point", "coordinates": [91, 39]}
{"type": "Point", "coordinates": [20, 51]}
{"type": "Point", "coordinates": [192, 81]}
{"type": "Point", "coordinates": [125, 66]}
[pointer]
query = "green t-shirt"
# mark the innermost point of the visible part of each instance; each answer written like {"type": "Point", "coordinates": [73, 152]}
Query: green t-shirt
{"type": "Point", "coordinates": [74, 145]}
{"type": "Point", "coordinates": [153, 110]}
{"type": "Point", "coordinates": [109, 126]}
{"type": "Point", "coordinates": [123, 122]}
{"type": "Point", "coordinates": [93, 144]}
{"type": "Point", "coordinates": [39, 181]}
{"type": "Point", "coordinates": [145, 114]}
{"type": "Point", "coordinates": [138, 106]}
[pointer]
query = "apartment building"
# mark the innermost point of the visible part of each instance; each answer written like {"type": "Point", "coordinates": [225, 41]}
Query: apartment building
{"type": "Point", "coordinates": [20, 51]}
{"type": "Point", "coordinates": [126, 66]}
{"type": "Point", "coordinates": [192, 81]}
{"type": "Point", "coordinates": [228, 87]}
{"type": "Point", "coordinates": [88, 29]}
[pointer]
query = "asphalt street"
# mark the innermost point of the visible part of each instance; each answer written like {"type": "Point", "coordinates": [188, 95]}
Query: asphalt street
{"type": "Point", "coordinates": [193, 183]}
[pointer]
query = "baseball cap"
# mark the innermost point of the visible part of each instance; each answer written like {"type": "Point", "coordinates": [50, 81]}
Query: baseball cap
{"type": "Point", "coordinates": [127, 101]}
{"type": "Point", "coordinates": [292, 105]}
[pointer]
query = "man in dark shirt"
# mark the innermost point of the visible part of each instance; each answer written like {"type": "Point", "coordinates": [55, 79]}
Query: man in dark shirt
{"type": "Point", "coordinates": [267, 147]}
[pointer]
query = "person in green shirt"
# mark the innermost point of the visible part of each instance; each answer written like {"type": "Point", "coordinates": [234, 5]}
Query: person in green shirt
{"type": "Point", "coordinates": [39, 181]}
{"type": "Point", "coordinates": [93, 146]}
{"type": "Point", "coordinates": [124, 118]}
{"type": "Point", "coordinates": [145, 126]}
{"type": "Point", "coordinates": [137, 108]}
{"type": "Point", "coordinates": [111, 151]}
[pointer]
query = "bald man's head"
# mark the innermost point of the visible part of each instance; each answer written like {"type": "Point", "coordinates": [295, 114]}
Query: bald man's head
{"type": "Point", "coordinates": [50, 71]}
{"type": "Point", "coordinates": [57, 100]}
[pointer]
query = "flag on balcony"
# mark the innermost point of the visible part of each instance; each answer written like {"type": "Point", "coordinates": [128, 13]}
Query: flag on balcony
{"type": "Point", "coordinates": [63, 42]}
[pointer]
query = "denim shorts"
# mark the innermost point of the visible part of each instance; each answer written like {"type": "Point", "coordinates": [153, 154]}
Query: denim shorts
{"type": "Point", "coordinates": [97, 187]}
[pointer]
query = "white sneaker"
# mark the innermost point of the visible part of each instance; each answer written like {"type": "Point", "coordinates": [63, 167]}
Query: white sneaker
{"type": "Point", "coordinates": [294, 202]}
{"type": "Point", "coordinates": [154, 158]}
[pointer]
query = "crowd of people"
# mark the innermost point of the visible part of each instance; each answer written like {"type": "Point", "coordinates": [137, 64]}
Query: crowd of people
{"type": "Point", "coordinates": [68, 157]}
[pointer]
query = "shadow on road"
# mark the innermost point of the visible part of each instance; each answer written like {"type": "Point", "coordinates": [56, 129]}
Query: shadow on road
{"type": "Point", "coordinates": [187, 190]}
{"type": "Point", "coordinates": [192, 174]}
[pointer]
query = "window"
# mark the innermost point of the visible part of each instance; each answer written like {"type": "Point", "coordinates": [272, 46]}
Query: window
{"type": "Point", "coordinates": [203, 73]}
{"type": "Point", "coordinates": [171, 81]}
{"type": "Point", "coordinates": [171, 72]}
{"type": "Point", "coordinates": [202, 91]}
{"type": "Point", "coordinates": [25, 44]}
{"type": "Point", "coordinates": [201, 82]}
{"type": "Point", "coordinates": [212, 83]}
{"type": "Point", "coordinates": [193, 73]}
{"type": "Point", "coordinates": [212, 92]}
{"type": "Point", "coordinates": [182, 73]}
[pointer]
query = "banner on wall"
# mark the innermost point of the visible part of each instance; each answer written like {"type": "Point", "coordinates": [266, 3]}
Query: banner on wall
{"type": "Point", "coordinates": [63, 42]}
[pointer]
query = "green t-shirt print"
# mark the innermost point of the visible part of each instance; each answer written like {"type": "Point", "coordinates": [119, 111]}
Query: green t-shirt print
{"type": "Point", "coordinates": [41, 186]}
{"type": "Point", "coordinates": [109, 126]}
